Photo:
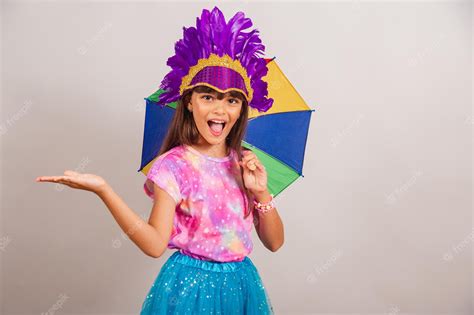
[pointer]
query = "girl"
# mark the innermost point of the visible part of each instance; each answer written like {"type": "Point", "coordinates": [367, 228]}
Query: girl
{"type": "Point", "coordinates": [207, 191]}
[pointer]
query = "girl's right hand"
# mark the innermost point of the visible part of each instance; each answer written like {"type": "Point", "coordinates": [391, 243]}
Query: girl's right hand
{"type": "Point", "coordinates": [77, 180]}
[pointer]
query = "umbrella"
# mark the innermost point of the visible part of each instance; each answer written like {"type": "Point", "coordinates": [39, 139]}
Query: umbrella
{"type": "Point", "coordinates": [277, 137]}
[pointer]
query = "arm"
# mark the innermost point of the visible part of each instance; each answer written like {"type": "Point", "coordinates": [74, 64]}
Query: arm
{"type": "Point", "coordinates": [269, 225]}
{"type": "Point", "coordinates": [152, 237]}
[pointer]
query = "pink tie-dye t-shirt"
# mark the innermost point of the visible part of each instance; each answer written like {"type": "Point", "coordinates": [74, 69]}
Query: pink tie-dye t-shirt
{"type": "Point", "coordinates": [209, 220]}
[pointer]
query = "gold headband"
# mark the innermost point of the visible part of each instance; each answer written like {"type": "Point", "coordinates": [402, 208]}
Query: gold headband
{"type": "Point", "coordinates": [215, 60]}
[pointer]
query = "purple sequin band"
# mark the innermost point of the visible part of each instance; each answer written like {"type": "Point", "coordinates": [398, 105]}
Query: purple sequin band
{"type": "Point", "coordinates": [222, 78]}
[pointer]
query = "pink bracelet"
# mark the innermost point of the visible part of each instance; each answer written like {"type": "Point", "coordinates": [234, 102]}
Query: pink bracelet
{"type": "Point", "coordinates": [264, 207]}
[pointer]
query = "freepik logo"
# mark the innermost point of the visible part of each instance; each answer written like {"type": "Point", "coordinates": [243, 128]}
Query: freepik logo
{"type": "Point", "coordinates": [459, 247]}
{"type": "Point", "coordinates": [4, 241]}
{"type": "Point", "coordinates": [348, 129]}
{"type": "Point", "coordinates": [394, 195]}
{"type": "Point", "coordinates": [83, 49]}
{"type": "Point", "coordinates": [22, 112]}
{"type": "Point", "coordinates": [319, 270]}
{"type": "Point", "coordinates": [56, 306]}
{"type": "Point", "coordinates": [117, 243]}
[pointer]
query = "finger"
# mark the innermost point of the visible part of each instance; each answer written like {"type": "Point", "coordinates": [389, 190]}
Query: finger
{"type": "Point", "coordinates": [249, 153]}
{"type": "Point", "coordinates": [249, 157]}
{"type": "Point", "coordinates": [246, 153]}
{"type": "Point", "coordinates": [54, 179]}
{"type": "Point", "coordinates": [244, 160]}
{"type": "Point", "coordinates": [253, 159]}
{"type": "Point", "coordinates": [71, 184]}
{"type": "Point", "coordinates": [68, 182]}
{"type": "Point", "coordinates": [260, 166]}
{"type": "Point", "coordinates": [46, 178]}
{"type": "Point", "coordinates": [247, 165]}
{"type": "Point", "coordinates": [251, 165]}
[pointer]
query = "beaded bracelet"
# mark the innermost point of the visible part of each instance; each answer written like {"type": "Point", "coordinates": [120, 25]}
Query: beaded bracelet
{"type": "Point", "coordinates": [264, 207]}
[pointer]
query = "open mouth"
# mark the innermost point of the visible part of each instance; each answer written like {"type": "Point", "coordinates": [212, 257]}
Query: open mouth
{"type": "Point", "coordinates": [216, 127]}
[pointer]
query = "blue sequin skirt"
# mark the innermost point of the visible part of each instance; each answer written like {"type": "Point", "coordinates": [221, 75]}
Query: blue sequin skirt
{"type": "Point", "coordinates": [186, 285]}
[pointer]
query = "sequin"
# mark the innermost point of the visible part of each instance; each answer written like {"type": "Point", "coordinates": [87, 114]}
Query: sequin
{"type": "Point", "coordinates": [227, 65]}
{"type": "Point", "coordinates": [210, 273]}
{"type": "Point", "coordinates": [207, 287]}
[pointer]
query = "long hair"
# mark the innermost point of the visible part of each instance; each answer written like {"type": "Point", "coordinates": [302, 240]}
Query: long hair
{"type": "Point", "coordinates": [183, 130]}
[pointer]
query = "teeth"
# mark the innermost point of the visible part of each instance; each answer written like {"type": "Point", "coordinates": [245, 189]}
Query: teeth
{"type": "Point", "coordinates": [217, 121]}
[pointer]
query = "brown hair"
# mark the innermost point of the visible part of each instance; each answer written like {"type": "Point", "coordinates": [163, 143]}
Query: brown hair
{"type": "Point", "coordinates": [183, 130]}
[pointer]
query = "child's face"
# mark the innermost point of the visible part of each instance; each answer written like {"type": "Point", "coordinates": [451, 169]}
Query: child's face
{"type": "Point", "coordinates": [206, 107]}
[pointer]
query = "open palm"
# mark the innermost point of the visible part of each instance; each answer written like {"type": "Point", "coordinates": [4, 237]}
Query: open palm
{"type": "Point", "coordinates": [76, 180]}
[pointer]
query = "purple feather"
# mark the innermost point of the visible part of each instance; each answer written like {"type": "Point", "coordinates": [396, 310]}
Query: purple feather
{"type": "Point", "coordinates": [236, 25]}
{"type": "Point", "coordinates": [217, 26]}
{"type": "Point", "coordinates": [213, 35]}
{"type": "Point", "coordinates": [191, 42]}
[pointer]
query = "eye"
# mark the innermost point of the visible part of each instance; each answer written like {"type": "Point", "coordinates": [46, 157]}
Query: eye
{"type": "Point", "coordinates": [234, 101]}
{"type": "Point", "coordinates": [207, 97]}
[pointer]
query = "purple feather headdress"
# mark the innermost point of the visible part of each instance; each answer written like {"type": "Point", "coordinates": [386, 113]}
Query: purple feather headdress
{"type": "Point", "coordinates": [219, 55]}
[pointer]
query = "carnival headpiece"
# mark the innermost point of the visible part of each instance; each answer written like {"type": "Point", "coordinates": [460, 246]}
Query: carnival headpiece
{"type": "Point", "coordinates": [219, 55]}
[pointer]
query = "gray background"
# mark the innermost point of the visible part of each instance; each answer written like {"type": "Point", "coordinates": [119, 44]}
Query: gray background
{"type": "Point", "coordinates": [380, 224]}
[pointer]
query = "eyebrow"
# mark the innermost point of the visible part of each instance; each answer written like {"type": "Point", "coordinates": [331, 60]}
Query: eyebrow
{"type": "Point", "coordinates": [231, 94]}
{"type": "Point", "coordinates": [209, 92]}
{"type": "Point", "coordinates": [235, 94]}
{"type": "Point", "coordinates": [228, 94]}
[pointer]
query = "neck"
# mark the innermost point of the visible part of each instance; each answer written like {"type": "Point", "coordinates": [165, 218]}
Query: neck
{"type": "Point", "coordinates": [217, 150]}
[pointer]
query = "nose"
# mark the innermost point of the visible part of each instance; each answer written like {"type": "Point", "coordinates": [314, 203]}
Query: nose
{"type": "Point", "coordinates": [219, 106]}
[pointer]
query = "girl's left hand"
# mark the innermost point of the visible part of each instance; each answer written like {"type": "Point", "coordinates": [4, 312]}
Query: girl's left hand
{"type": "Point", "coordinates": [255, 175]}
